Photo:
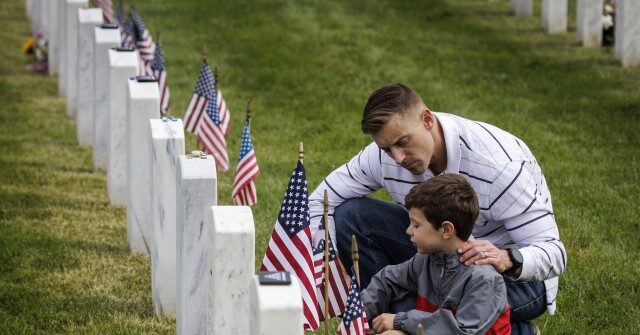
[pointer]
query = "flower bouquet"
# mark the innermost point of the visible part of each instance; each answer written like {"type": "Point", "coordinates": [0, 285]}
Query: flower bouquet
{"type": "Point", "coordinates": [36, 48]}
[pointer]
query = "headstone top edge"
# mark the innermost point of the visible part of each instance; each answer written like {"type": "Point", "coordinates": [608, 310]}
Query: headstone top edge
{"type": "Point", "coordinates": [166, 130]}
{"type": "Point", "coordinates": [77, 2]}
{"type": "Point", "coordinates": [197, 168]}
{"type": "Point", "coordinates": [142, 90]}
{"type": "Point", "coordinates": [103, 35]}
{"type": "Point", "coordinates": [90, 15]}
{"type": "Point", "coordinates": [123, 59]}
{"type": "Point", "coordinates": [233, 219]}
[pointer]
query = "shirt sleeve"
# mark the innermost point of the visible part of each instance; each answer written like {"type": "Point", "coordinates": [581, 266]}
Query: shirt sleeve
{"type": "Point", "coordinates": [521, 201]}
{"type": "Point", "coordinates": [361, 176]}
{"type": "Point", "coordinates": [391, 283]}
{"type": "Point", "coordinates": [482, 303]}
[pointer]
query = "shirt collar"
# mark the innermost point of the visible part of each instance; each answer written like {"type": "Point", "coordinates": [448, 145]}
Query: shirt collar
{"type": "Point", "coordinates": [451, 141]}
{"type": "Point", "coordinates": [448, 259]}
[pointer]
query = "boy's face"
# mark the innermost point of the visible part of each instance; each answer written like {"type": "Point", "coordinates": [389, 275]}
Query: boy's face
{"type": "Point", "coordinates": [426, 238]}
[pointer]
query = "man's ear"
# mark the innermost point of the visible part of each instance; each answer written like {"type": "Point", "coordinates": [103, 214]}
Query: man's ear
{"type": "Point", "coordinates": [448, 230]}
{"type": "Point", "coordinates": [427, 118]}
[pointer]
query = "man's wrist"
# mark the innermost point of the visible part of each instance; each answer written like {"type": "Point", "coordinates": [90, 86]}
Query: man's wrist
{"type": "Point", "coordinates": [516, 262]}
{"type": "Point", "coordinates": [504, 256]}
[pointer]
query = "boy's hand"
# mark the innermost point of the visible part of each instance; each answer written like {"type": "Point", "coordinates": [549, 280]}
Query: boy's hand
{"type": "Point", "coordinates": [482, 252]}
{"type": "Point", "coordinates": [383, 322]}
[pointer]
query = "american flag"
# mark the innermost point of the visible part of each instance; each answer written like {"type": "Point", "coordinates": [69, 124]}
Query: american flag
{"type": "Point", "coordinates": [244, 187]}
{"type": "Point", "coordinates": [127, 34]}
{"type": "Point", "coordinates": [203, 92]}
{"type": "Point", "coordinates": [107, 9]}
{"type": "Point", "coordinates": [290, 245]}
{"type": "Point", "coordinates": [126, 27]}
{"type": "Point", "coordinates": [160, 73]}
{"type": "Point", "coordinates": [213, 124]}
{"type": "Point", "coordinates": [338, 286]}
{"type": "Point", "coordinates": [354, 319]}
{"type": "Point", "coordinates": [144, 42]}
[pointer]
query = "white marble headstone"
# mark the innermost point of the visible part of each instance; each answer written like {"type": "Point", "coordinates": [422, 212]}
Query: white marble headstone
{"type": "Point", "coordinates": [554, 15]}
{"type": "Point", "coordinates": [28, 7]}
{"type": "Point", "coordinates": [232, 259]}
{"type": "Point", "coordinates": [71, 55]}
{"type": "Point", "coordinates": [105, 38]}
{"type": "Point", "coordinates": [143, 104]}
{"type": "Point", "coordinates": [523, 7]}
{"type": "Point", "coordinates": [62, 46]}
{"type": "Point", "coordinates": [627, 32]}
{"type": "Point", "coordinates": [52, 35]}
{"type": "Point", "coordinates": [166, 144]}
{"type": "Point", "coordinates": [40, 16]}
{"type": "Point", "coordinates": [123, 65]}
{"type": "Point", "coordinates": [33, 12]}
{"type": "Point", "coordinates": [275, 309]}
{"type": "Point", "coordinates": [196, 192]}
{"type": "Point", "coordinates": [589, 22]}
{"type": "Point", "coordinates": [87, 20]}
{"type": "Point", "coordinates": [44, 15]}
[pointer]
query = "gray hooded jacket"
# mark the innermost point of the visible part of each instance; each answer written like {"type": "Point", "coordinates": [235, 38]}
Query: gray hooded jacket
{"type": "Point", "coordinates": [452, 298]}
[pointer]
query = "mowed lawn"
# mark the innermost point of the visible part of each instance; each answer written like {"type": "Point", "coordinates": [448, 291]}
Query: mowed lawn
{"type": "Point", "coordinates": [309, 67]}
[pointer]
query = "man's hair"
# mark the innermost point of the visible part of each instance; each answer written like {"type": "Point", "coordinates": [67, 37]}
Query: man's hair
{"type": "Point", "coordinates": [447, 197]}
{"type": "Point", "coordinates": [386, 102]}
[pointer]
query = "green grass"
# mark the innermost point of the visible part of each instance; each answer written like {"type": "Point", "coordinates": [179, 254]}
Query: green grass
{"type": "Point", "coordinates": [309, 67]}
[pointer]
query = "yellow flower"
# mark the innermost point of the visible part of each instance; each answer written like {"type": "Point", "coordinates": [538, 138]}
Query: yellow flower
{"type": "Point", "coordinates": [27, 45]}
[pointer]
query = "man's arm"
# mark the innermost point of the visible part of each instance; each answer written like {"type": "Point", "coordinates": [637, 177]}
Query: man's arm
{"type": "Point", "coordinates": [359, 177]}
{"type": "Point", "coordinates": [483, 301]}
{"type": "Point", "coordinates": [528, 218]}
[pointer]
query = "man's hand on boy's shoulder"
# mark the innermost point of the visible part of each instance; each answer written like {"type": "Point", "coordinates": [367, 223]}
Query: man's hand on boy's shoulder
{"type": "Point", "coordinates": [481, 252]}
{"type": "Point", "coordinates": [383, 322]}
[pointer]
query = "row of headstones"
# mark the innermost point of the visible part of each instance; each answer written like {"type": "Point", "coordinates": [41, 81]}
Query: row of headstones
{"type": "Point", "coordinates": [202, 255]}
{"type": "Point", "coordinates": [589, 23]}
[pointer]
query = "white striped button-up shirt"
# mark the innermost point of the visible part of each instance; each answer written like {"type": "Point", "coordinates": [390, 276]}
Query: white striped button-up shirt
{"type": "Point", "coordinates": [515, 203]}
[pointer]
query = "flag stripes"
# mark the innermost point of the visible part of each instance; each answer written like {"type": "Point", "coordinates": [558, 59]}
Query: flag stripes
{"type": "Point", "coordinates": [160, 73]}
{"type": "Point", "coordinates": [337, 282]}
{"type": "Point", "coordinates": [244, 188]}
{"type": "Point", "coordinates": [280, 254]}
{"type": "Point", "coordinates": [213, 140]}
{"type": "Point", "coordinates": [194, 111]}
{"type": "Point", "coordinates": [107, 9]}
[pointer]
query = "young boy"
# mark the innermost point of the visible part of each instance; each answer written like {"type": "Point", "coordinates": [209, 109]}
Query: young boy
{"type": "Point", "coordinates": [452, 298]}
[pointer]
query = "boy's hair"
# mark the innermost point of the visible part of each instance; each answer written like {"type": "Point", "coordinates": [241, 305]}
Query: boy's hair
{"type": "Point", "coordinates": [447, 197]}
{"type": "Point", "coordinates": [385, 102]}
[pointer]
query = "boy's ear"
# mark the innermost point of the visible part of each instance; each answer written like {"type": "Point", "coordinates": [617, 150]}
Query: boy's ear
{"type": "Point", "coordinates": [448, 230]}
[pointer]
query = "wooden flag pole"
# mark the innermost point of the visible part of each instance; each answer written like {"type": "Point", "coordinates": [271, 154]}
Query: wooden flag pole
{"type": "Point", "coordinates": [215, 79]}
{"type": "Point", "coordinates": [204, 52]}
{"type": "Point", "coordinates": [301, 153]}
{"type": "Point", "coordinates": [420, 330]}
{"type": "Point", "coordinates": [249, 109]}
{"type": "Point", "coordinates": [326, 263]}
{"type": "Point", "coordinates": [355, 257]}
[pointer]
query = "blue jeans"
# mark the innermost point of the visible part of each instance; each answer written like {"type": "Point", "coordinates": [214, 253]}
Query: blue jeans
{"type": "Point", "coordinates": [380, 226]}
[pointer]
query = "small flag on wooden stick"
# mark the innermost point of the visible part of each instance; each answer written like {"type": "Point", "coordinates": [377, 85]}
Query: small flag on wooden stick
{"type": "Point", "coordinates": [144, 42]}
{"type": "Point", "coordinates": [213, 126]}
{"type": "Point", "coordinates": [290, 245]}
{"type": "Point", "coordinates": [244, 187]}
{"type": "Point", "coordinates": [160, 73]}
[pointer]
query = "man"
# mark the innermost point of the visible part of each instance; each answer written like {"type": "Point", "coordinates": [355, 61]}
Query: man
{"type": "Point", "coordinates": [515, 231]}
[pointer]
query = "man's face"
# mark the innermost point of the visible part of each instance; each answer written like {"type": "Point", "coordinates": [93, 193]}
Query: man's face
{"type": "Point", "coordinates": [425, 238]}
{"type": "Point", "coordinates": [408, 140]}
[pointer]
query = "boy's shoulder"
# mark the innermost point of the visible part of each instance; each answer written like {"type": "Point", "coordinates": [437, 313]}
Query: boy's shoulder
{"type": "Point", "coordinates": [486, 273]}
